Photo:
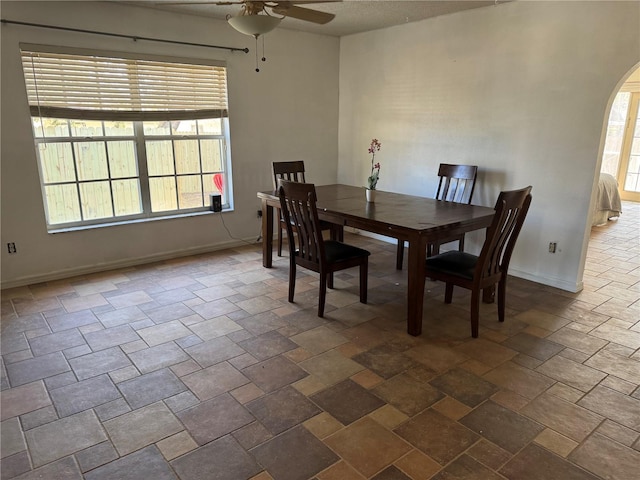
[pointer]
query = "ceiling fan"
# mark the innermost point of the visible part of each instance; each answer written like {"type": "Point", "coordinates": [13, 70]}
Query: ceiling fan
{"type": "Point", "coordinates": [257, 17]}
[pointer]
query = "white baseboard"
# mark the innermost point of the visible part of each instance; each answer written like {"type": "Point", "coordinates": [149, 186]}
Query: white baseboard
{"type": "Point", "coordinates": [550, 281]}
{"type": "Point", "coordinates": [130, 262]}
{"type": "Point", "coordinates": [375, 236]}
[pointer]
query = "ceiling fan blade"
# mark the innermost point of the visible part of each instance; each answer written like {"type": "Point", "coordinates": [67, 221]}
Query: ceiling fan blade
{"type": "Point", "coordinates": [305, 14]}
{"type": "Point", "coordinates": [202, 3]}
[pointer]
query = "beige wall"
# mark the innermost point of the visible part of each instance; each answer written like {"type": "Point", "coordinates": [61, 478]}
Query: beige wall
{"type": "Point", "coordinates": [521, 89]}
{"type": "Point", "coordinates": [288, 111]}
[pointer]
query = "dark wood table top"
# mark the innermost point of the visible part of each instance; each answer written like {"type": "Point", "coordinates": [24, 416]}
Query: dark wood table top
{"type": "Point", "coordinates": [393, 214]}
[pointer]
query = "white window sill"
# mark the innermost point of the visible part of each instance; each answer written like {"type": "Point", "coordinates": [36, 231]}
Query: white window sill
{"type": "Point", "coordinates": [137, 220]}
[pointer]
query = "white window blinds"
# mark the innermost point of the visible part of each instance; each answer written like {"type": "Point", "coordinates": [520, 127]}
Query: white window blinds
{"type": "Point", "coordinates": [88, 86]}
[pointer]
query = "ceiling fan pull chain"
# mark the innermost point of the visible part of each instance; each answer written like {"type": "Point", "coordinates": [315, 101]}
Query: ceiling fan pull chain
{"type": "Point", "coordinates": [256, 37]}
{"type": "Point", "coordinates": [264, 59]}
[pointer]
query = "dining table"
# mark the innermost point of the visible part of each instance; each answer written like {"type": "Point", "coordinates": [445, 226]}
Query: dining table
{"type": "Point", "coordinates": [413, 219]}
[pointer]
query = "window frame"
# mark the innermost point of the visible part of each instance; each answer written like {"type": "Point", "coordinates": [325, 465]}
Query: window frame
{"type": "Point", "coordinates": [139, 139]}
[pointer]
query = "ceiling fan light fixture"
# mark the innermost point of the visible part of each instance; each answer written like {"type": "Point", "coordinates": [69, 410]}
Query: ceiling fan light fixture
{"type": "Point", "coordinates": [254, 25]}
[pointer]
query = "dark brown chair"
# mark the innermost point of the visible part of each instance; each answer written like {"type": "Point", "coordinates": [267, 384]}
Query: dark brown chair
{"type": "Point", "coordinates": [294, 172]}
{"type": "Point", "coordinates": [479, 272]}
{"type": "Point", "coordinates": [307, 247]}
{"type": "Point", "coordinates": [457, 183]}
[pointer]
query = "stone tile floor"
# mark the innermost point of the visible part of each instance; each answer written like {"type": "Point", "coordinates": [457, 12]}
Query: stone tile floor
{"type": "Point", "coordinates": [198, 368]}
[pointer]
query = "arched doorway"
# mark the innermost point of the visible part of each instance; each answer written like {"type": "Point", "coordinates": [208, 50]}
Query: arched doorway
{"type": "Point", "coordinates": [610, 253]}
{"type": "Point", "coordinates": [621, 155]}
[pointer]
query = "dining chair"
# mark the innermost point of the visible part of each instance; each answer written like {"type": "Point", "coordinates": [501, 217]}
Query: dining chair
{"type": "Point", "coordinates": [294, 172]}
{"type": "Point", "coordinates": [456, 184]}
{"type": "Point", "coordinates": [476, 273]}
{"type": "Point", "coordinates": [308, 248]}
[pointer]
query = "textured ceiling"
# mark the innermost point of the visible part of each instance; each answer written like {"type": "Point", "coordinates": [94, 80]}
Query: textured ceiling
{"type": "Point", "coordinates": [352, 16]}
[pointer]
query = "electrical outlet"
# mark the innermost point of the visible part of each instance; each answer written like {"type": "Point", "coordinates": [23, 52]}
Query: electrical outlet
{"type": "Point", "coordinates": [11, 247]}
{"type": "Point", "coordinates": [552, 247]}
{"type": "Point", "coordinates": [259, 213]}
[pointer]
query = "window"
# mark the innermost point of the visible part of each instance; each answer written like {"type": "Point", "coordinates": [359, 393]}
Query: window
{"type": "Point", "coordinates": [121, 139]}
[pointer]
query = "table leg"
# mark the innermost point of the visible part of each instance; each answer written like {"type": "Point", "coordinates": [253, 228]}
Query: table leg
{"type": "Point", "coordinates": [415, 288]}
{"type": "Point", "coordinates": [489, 294]}
{"type": "Point", "coordinates": [399, 254]}
{"type": "Point", "coordinates": [267, 234]}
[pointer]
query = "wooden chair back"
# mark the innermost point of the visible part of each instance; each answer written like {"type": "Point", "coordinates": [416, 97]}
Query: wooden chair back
{"type": "Point", "coordinates": [511, 210]}
{"type": "Point", "coordinates": [298, 205]}
{"type": "Point", "coordinates": [292, 171]}
{"type": "Point", "coordinates": [457, 182]}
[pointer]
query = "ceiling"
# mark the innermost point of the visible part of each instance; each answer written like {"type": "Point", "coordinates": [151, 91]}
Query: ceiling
{"type": "Point", "coordinates": [352, 16]}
